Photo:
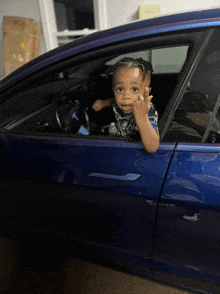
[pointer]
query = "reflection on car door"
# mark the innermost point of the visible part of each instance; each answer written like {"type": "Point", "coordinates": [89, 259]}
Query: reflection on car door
{"type": "Point", "coordinates": [188, 236]}
{"type": "Point", "coordinates": [100, 192]}
{"type": "Point", "coordinates": [187, 239]}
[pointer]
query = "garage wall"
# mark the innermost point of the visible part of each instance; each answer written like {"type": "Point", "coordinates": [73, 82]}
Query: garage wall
{"type": "Point", "coordinates": [1, 52]}
{"type": "Point", "coordinates": [118, 12]}
{"type": "Point", "coordinates": [19, 8]}
{"type": "Point", "coordinates": [124, 11]}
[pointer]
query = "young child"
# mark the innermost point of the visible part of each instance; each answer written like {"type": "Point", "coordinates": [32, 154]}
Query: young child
{"type": "Point", "coordinates": [134, 111]}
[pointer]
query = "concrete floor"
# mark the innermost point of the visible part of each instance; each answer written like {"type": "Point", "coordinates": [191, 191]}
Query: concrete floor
{"type": "Point", "coordinates": [19, 274]}
{"type": "Point", "coordinates": [96, 279]}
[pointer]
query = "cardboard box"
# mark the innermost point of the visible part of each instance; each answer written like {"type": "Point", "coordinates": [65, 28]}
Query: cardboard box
{"type": "Point", "coordinates": [21, 39]}
{"type": "Point", "coordinates": [149, 10]}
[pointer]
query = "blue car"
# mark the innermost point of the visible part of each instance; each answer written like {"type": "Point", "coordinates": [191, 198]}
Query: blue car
{"type": "Point", "coordinates": [63, 175]}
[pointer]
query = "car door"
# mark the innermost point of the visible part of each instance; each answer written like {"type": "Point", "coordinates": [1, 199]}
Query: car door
{"type": "Point", "coordinates": [187, 239]}
{"type": "Point", "coordinates": [97, 191]}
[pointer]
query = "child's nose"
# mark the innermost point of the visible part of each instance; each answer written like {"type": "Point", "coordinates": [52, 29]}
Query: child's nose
{"type": "Point", "coordinates": [127, 94]}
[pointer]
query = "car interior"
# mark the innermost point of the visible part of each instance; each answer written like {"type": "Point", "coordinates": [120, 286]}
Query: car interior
{"type": "Point", "coordinates": [57, 101]}
{"type": "Point", "coordinates": [62, 103]}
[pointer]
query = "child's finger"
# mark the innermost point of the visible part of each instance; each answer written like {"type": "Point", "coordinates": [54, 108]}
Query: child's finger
{"type": "Point", "coordinates": [140, 98]}
{"type": "Point", "coordinates": [147, 91]}
{"type": "Point", "coordinates": [150, 98]}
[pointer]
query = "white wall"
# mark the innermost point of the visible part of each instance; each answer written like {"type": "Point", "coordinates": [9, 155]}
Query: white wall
{"type": "Point", "coordinates": [1, 53]}
{"type": "Point", "coordinates": [19, 8]}
{"type": "Point", "coordinates": [118, 12]}
{"type": "Point", "coordinates": [124, 11]}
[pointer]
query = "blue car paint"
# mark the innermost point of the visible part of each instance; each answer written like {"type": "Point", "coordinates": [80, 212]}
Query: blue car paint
{"type": "Point", "coordinates": [50, 158]}
{"type": "Point", "coordinates": [125, 209]}
{"type": "Point", "coordinates": [184, 244]}
{"type": "Point", "coordinates": [134, 30]}
{"type": "Point", "coordinates": [188, 238]}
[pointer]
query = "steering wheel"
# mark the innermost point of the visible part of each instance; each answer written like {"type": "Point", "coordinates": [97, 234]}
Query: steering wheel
{"type": "Point", "coordinates": [71, 117]}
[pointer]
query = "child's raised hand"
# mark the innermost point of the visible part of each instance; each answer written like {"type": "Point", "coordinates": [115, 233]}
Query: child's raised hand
{"type": "Point", "coordinates": [141, 106]}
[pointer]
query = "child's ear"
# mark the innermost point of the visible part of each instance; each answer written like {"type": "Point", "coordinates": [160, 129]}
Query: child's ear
{"type": "Point", "coordinates": [149, 89]}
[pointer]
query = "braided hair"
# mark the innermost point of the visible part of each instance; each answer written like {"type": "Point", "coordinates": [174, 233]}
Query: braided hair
{"type": "Point", "coordinates": [130, 62]}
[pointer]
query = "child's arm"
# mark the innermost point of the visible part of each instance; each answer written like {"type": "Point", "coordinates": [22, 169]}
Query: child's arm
{"type": "Point", "coordinates": [100, 104]}
{"type": "Point", "coordinates": [149, 136]}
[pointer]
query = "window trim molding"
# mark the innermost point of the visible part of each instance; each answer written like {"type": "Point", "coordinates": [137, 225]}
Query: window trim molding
{"type": "Point", "coordinates": [49, 25]}
{"type": "Point", "coordinates": [100, 14]}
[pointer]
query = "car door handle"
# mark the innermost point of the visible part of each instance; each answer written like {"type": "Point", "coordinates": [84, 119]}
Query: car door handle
{"type": "Point", "coordinates": [128, 177]}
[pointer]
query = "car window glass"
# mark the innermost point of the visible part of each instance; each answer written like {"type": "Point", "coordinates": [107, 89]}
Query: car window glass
{"type": "Point", "coordinates": [195, 111]}
{"type": "Point", "coordinates": [213, 132]}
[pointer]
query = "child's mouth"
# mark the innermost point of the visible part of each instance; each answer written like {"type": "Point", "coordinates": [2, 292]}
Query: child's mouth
{"type": "Point", "coordinates": [126, 108]}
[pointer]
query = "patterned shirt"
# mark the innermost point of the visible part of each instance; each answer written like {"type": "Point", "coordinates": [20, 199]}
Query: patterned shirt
{"type": "Point", "coordinates": [127, 126]}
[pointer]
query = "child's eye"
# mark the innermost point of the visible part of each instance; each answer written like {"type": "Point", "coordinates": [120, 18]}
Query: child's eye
{"type": "Point", "coordinates": [134, 90]}
{"type": "Point", "coordinates": [119, 90]}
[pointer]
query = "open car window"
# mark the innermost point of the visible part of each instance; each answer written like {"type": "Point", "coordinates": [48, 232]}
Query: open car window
{"type": "Point", "coordinates": [62, 103]}
{"type": "Point", "coordinates": [164, 60]}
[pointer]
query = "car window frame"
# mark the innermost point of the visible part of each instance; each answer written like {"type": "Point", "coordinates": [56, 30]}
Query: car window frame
{"type": "Point", "coordinates": [185, 37]}
{"type": "Point", "coordinates": [214, 112]}
{"type": "Point", "coordinates": [184, 79]}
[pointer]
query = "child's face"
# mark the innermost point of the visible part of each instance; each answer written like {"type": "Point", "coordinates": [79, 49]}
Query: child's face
{"type": "Point", "coordinates": [128, 83]}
